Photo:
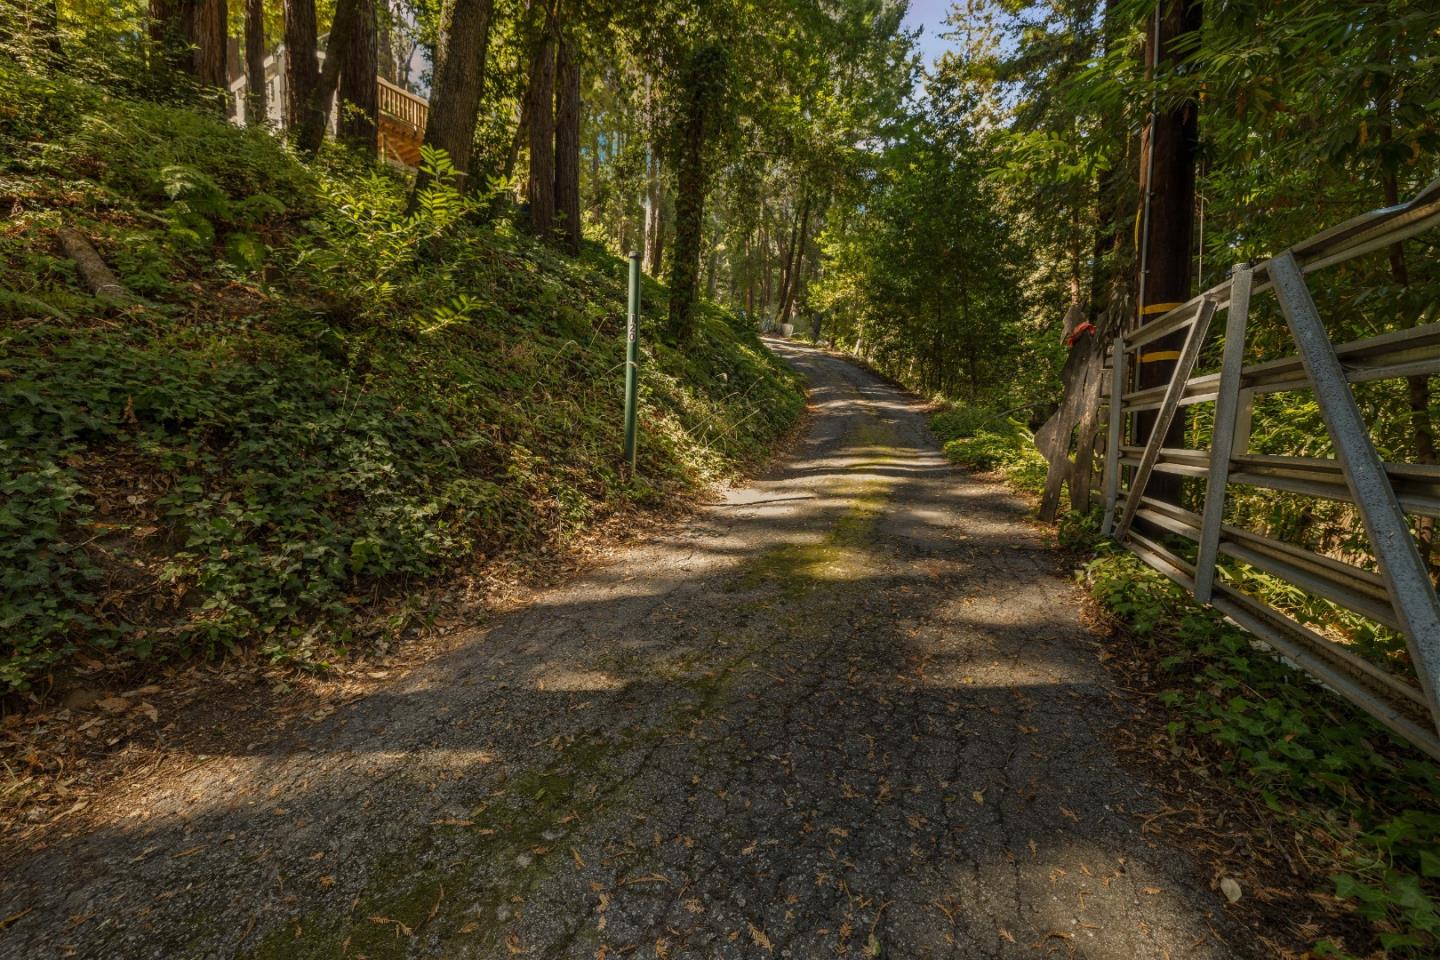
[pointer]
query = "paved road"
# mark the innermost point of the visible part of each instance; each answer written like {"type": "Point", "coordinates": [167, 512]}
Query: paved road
{"type": "Point", "coordinates": [847, 712]}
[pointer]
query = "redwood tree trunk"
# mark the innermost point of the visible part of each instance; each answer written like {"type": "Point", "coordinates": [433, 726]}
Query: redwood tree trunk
{"type": "Point", "coordinates": [459, 81]}
{"type": "Point", "coordinates": [540, 191]}
{"type": "Point", "coordinates": [209, 23]}
{"type": "Point", "coordinates": [191, 37]}
{"type": "Point", "coordinates": [704, 81]}
{"type": "Point", "coordinates": [350, 64]}
{"type": "Point", "coordinates": [359, 106]}
{"type": "Point", "coordinates": [792, 268]}
{"type": "Point", "coordinates": [256, 108]}
{"type": "Point", "coordinates": [654, 198]}
{"type": "Point", "coordinates": [1174, 141]}
{"type": "Point", "coordinates": [302, 71]}
{"type": "Point", "coordinates": [567, 145]}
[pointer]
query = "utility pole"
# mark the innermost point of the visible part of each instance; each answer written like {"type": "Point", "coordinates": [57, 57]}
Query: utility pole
{"type": "Point", "coordinates": [1167, 171]}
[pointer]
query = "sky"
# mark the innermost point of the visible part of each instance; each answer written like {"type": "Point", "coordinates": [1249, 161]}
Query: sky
{"type": "Point", "coordinates": [930, 16]}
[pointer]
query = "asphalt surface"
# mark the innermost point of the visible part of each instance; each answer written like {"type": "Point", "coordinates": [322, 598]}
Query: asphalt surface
{"type": "Point", "coordinates": [849, 711]}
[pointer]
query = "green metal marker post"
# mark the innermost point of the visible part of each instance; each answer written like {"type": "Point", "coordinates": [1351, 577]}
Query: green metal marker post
{"type": "Point", "coordinates": [632, 360]}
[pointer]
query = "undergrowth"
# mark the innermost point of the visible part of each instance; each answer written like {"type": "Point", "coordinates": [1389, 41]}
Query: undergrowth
{"type": "Point", "coordinates": [1362, 802]}
{"type": "Point", "coordinates": [321, 398]}
{"type": "Point", "coordinates": [983, 439]}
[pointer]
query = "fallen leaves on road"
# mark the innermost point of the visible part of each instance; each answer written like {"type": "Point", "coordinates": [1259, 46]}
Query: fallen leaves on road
{"type": "Point", "coordinates": [761, 940]}
{"type": "Point", "coordinates": [400, 927]}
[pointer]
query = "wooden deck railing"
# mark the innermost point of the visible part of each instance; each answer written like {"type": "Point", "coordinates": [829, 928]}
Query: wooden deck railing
{"type": "Point", "coordinates": [401, 105]}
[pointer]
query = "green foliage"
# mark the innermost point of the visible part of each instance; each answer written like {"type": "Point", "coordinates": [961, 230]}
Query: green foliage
{"type": "Point", "coordinates": [1080, 532]}
{"type": "Point", "coordinates": [1315, 760]}
{"type": "Point", "coordinates": [982, 439]}
{"type": "Point", "coordinates": [326, 398]}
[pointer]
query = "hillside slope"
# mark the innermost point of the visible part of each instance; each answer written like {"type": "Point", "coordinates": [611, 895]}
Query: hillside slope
{"type": "Point", "coordinates": [319, 400]}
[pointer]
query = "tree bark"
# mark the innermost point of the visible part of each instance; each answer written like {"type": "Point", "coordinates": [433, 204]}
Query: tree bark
{"type": "Point", "coordinates": [567, 145]}
{"type": "Point", "coordinates": [792, 271]}
{"type": "Point", "coordinates": [359, 104]}
{"type": "Point", "coordinates": [256, 107]}
{"type": "Point", "coordinates": [317, 118]}
{"type": "Point", "coordinates": [1174, 141]}
{"type": "Point", "coordinates": [704, 80]}
{"type": "Point", "coordinates": [785, 265]}
{"type": "Point", "coordinates": [654, 196]}
{"type": "Point", "coordinates": [522, 136]}
{"type": "Point", "coordinates": [92, 270]}
{"type": "Point", "coordinates": [302, 71]}
{"type": "Point", "coordinates": [350, 66]}
{"type": "Point", "coordinates": [540, 189]}
{"type": "Point", "coordinates": [459, 81]}
{"type": "Point", "coordinates": [209, 24]}
{"type": "Point", "coordinates": [654, 219]}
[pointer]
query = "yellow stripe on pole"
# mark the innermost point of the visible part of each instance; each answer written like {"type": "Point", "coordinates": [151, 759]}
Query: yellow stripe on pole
{"type": "Point", "coordinates": [1159, 355]}
{"type": "Point", "coordinates": [1159, 308]}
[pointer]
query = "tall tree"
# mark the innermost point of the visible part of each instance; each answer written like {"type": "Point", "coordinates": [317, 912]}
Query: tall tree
{"type": "Point", "coordinates": [358, 104]}
{"type": "Point", "coordinates": [302, 70]}
{"type": "Point", "coordinates": [654, 217]}
{"type": "Point", "coordinates": [191, 35]}
{"type": "Point", "coordinates": [540, 98]}
{"type": "Point", "coordinates": [654, 196]}
{"type": "Point", "coordinates": [567, 143]}
{"type": "Point", "coordinates": [210, 43]}
{"type": "Point", "coordinates": [459, 81]}
{"type": "Point", "coordinates": [256, 108]}
{"type": "Point", "coordinates": [703, 83]}
{"type": "Point", "coordinates": [349, 69]}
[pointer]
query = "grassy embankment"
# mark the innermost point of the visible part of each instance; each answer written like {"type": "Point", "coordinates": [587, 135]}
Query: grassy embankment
{"type": "Point", "coordinates": [318, 403]}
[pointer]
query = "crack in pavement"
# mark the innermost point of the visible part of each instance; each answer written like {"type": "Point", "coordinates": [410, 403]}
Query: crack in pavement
{"type": "Point", "coordinates": [849, 710]}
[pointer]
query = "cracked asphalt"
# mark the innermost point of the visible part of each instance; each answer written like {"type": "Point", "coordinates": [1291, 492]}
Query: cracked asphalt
{"type": "Point", "coordinates": [848, 711]}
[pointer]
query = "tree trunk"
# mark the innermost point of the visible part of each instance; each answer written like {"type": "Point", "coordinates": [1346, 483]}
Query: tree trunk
{"type": "Point", "coordinates": [654, 195]}
{"type": "Point", "coordinates": [191, 37]}
{"type": "Point", "coordinates": [317, 119]}
{"type": "Point", "coordinates": [459, 81]}
{"type": "Point", "coordinates": [256, 107]}
{"type": "Point", "coordinates": [792, 271]}
{"type": "Point", "coordinates": [785, 264]}
{"type": "Point", "coordinates": [540, 190]}
{"type": "Point", "coordinates": [522, 136]}
{"type": "Point", "coordinates": [567, 145]}
{"type": "Point", "coordinates": [386, 64]}
{"type": "Point", "coordinates": [1173, 145]}
{"type": "Point", "coordinates": [359, 99]}
{"type": "Point", "coordinates": [210, 20]}
{"type": "Point", "coordinates": [704, 80]}
{"type": "Point", "coordinates": [302, 71]}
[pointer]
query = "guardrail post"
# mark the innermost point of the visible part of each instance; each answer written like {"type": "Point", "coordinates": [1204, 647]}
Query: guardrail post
{"type": "Point", "coordinates": [1222, 435]}
{"type": "Point", "coordinates": [1401, 566]}
{"type": "Point", "coordinates": [1184, 366]}
{"type": "Point", "coordinates": [1115, 434]}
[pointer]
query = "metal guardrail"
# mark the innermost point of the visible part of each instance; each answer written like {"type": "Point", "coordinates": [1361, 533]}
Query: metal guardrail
{"type": "Point", "coordinates": [1401, 595]}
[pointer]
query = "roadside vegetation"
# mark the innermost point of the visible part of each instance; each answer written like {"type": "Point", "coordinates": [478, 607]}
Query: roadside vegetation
{"type": "Point", "coordinates": [311, 382]}
{"type": "Point", "coordinates": [315, 401]}
{"type": "Point", "coordinates": [971, 271]}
